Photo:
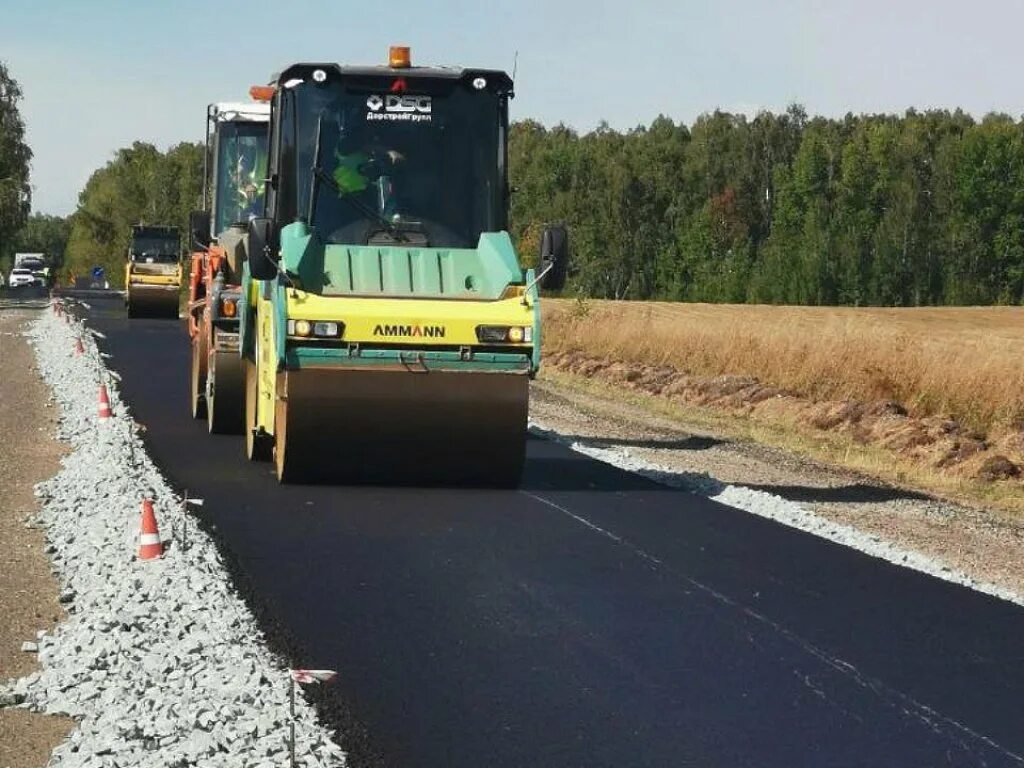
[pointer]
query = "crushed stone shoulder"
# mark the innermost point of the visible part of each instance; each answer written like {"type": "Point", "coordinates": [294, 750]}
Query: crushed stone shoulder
{"type": "Point", "coordinates": [157, 657]}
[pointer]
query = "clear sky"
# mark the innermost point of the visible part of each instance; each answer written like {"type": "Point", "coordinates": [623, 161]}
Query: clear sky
{"type": "Point", "coordinates": [99, 74]}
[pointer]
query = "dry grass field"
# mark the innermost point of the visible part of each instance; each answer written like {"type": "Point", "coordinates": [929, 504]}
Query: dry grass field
{"type": "Point", "coordinates": [967, 363]}
{"type": "Point", "coordinates": [938, 385]}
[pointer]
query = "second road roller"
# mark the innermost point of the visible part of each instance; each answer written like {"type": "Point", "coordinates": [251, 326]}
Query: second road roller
{"type": "Point", "coordinates": [152, 280]}
{"type": "Point", "coordinates": [387, 331]}
{"type": "Point", "coordinates": [235, 169]}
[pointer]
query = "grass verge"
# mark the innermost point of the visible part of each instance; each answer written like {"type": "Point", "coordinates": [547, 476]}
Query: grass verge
{"type": "Point", "coordinates": [788, 431]}
{"type": "Point", "coordinates": [964, 364]}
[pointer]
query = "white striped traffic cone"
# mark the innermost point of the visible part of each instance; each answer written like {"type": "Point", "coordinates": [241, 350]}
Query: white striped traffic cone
{"type": "Point", "coordinates": [150, 546]}
{"type": "Point", "coordinates": [104, 411]}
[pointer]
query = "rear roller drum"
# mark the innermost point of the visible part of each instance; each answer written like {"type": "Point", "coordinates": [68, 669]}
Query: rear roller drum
{"type": "Point", "coordinates": [225, 394]}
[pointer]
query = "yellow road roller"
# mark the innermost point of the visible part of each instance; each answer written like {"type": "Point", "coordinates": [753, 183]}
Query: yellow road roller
{"type": "Point", "coordinates": [387, 331]}
{"type": "Point", "coordinates": [153, 272]}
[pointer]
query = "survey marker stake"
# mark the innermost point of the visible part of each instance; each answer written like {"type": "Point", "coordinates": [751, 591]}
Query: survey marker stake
{"type": "Point", "coordinates": [304, 676]}
{"type": "Point", "coordinates": [185, 502]}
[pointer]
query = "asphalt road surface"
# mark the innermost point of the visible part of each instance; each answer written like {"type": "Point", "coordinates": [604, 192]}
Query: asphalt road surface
{"type": "Point", "coordinates": [590, 618]}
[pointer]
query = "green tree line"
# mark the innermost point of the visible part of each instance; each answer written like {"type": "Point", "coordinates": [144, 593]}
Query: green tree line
{"type": "Point", "coordinates": [43, 233]}
{"type": "Point", "coordinates": [140, 185]}
{"type": "Point", "coordinates": [15, 156]}
{"type": "Point", "coordinates": [923, 209]}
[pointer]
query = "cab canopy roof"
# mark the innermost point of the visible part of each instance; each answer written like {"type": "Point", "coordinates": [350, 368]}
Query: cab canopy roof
{"type": "Point", "coordinates": [240, 111]}
{"type": "Point", "coordinates": [495, 80]}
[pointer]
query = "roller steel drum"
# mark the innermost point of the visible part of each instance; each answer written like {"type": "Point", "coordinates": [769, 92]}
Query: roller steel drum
{"type": "Point", "coordinates": [225, 393]}
{"type": "Point", "coordinates": [153, 301]}
{"type": "Point", "coordinates": [400, 426]}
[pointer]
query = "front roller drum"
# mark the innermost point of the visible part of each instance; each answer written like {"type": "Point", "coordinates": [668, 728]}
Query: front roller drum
{"type": "Point", "coordinates": [398, 427]}
{"type": "Point", "coordinates": [153, 301]}
{"type": "Point", "coordinates": [225, 394]}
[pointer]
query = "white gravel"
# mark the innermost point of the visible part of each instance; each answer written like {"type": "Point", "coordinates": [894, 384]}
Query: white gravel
{"type": "Point", "coordinates": [160, 661]}
{"type": "Point", "coordinates": [776, 508]}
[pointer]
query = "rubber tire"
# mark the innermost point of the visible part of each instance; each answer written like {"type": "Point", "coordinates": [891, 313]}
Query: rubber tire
{"type": "Point", "coordinates": [197, 376]}
{"type": "Point", "coordinates": [257, 447]}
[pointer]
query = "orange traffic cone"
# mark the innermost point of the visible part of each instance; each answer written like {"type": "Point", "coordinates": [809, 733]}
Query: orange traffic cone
{"type": "Point", "coordinates": [79, 349]}
{"type": "Point", "coordinates": [149, 538]}
{"type": "Point", "coordinates": [104, 412]}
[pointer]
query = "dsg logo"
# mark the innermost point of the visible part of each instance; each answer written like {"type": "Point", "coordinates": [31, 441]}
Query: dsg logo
{"type": "Point", "coordinates": [399, 104]}
{"type": "Point", "coordinates": [394, 107]}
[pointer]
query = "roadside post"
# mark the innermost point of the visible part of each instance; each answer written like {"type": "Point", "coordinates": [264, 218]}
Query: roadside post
{"type": "Point", "coordinates": [303, 676]}
{"type": "Point", "coordinates": [186, 501]}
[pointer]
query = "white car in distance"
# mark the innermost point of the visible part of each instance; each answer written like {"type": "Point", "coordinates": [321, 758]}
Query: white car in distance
{"type": "Point", "coordinates": [20, 276]}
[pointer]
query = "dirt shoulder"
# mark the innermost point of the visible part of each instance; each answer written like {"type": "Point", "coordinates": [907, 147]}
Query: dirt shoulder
{"type": "Point", "coordinates": [28, 589]}
{"type": "Point", "coordinates": [879, 438]}
{"type": "Point", "coordinates": [986, 544]}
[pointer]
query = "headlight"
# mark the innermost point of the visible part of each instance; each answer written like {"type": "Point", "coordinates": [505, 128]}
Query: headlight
{"type": "Point", "coordinates": [319, 329]}
{"type": "Point", "coordinates": [492, 333]}
{"type": "Point", "coordinates": [502, 334]}
{"type": "Point", "coordinates": [327, 330]}
{"type": "Point", "coordinates": [229, 307]}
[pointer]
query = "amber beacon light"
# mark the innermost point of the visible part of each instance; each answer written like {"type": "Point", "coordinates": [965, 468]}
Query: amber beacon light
{"type": "Point", "coordinates": [261, 92]}
{"type": "Point", "coordinates": [399, 57]}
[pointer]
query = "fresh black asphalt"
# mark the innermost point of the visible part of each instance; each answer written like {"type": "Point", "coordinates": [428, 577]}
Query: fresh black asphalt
{"type": "Point", "coordinates": [590, 618]}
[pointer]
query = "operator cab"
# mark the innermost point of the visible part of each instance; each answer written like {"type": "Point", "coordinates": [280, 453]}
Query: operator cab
{"type": "Point", "coordinates": [402, 157]}
{"type": "Point", "coordinates": [238, 150]}
{"type": "Point", "coordinates": [154, 245]}
{"type": "Point", "coordinates": [395, 155]}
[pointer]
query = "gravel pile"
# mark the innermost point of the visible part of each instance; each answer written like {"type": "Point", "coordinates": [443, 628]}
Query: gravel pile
{"type": "Point", "coordinates": [776, 508]}
{"type": "Point", "coordinates": [159, 660]}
